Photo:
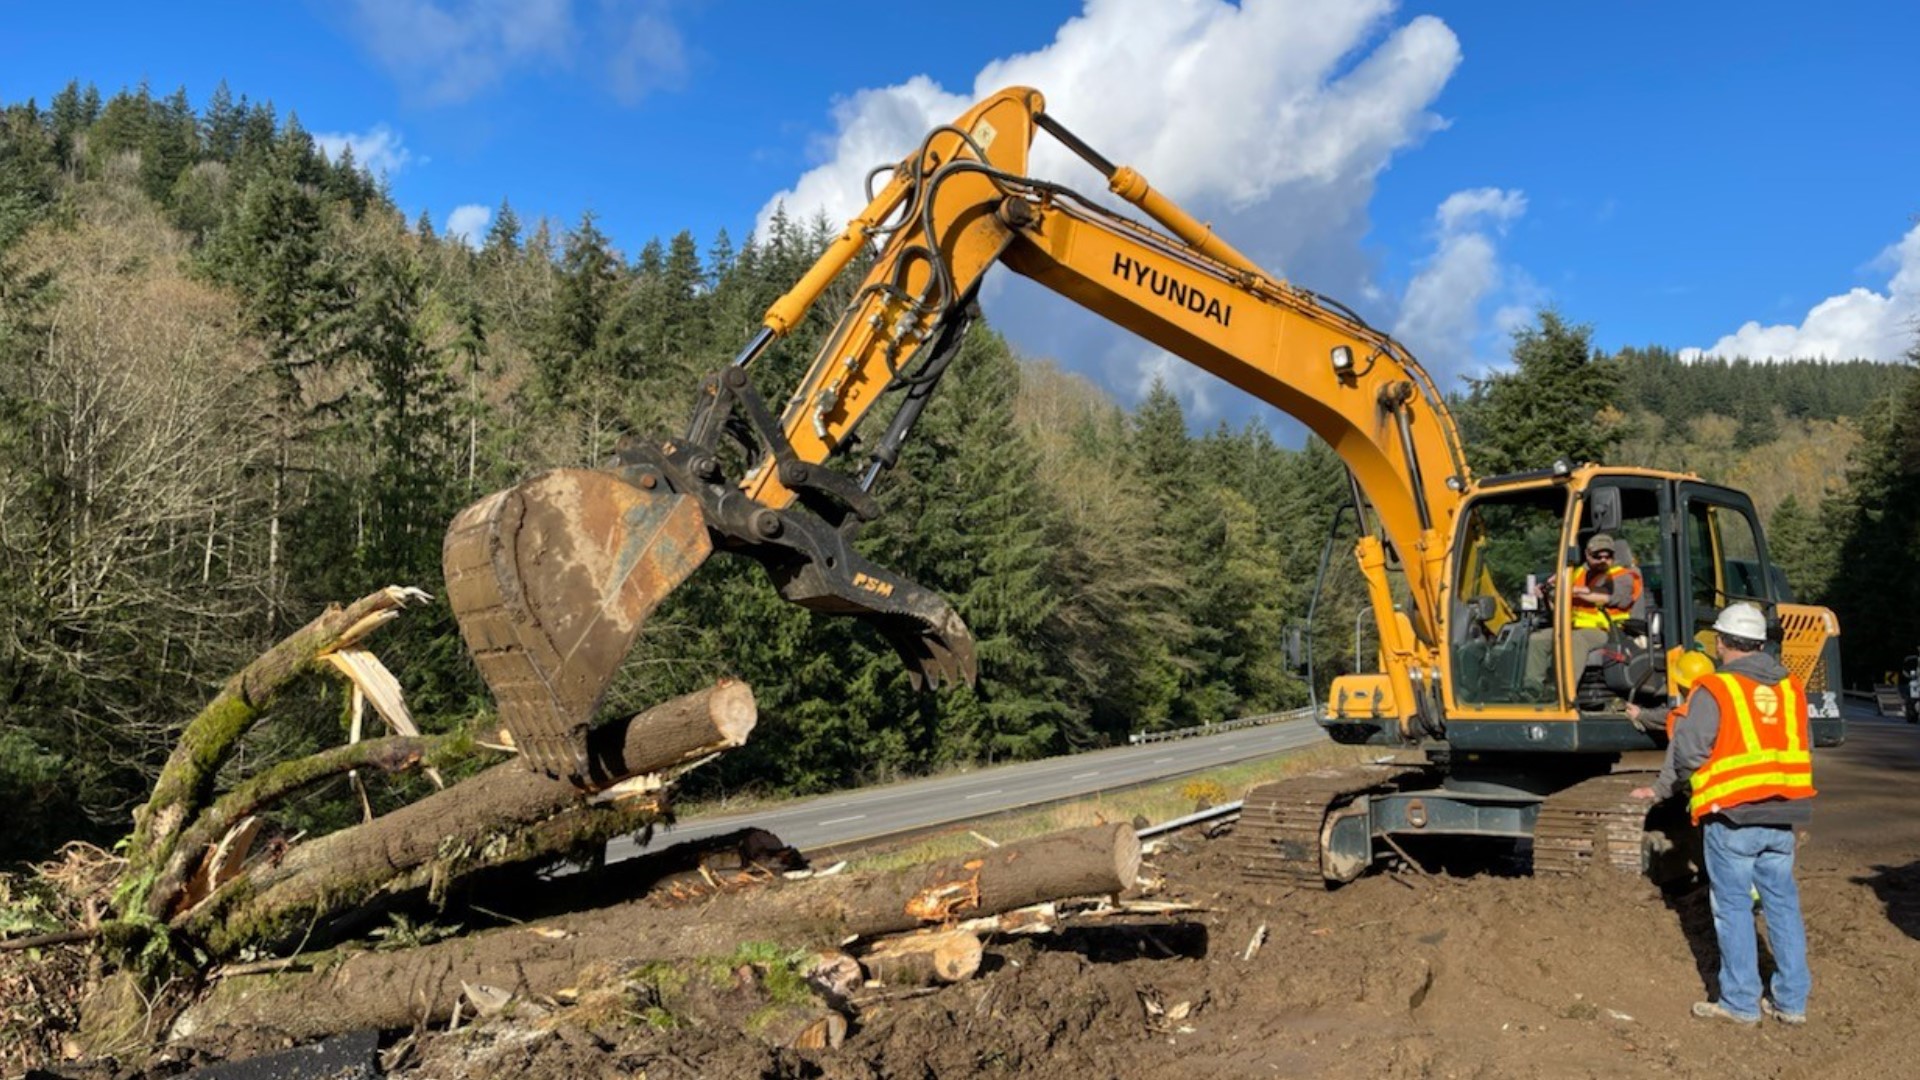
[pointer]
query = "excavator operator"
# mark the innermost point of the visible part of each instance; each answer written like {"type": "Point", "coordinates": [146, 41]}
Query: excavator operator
{"type": "Point", "coordinates": [1605, 594]}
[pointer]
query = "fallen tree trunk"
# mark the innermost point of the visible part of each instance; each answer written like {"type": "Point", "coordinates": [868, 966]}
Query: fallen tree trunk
{"type": "Point", "coordinates": [386, 755]}
{"type": "Point", "coordinates": [505, 815]}
{"type": "Point", "coordinates": [1080, 862]}
{"type": "Point", "coordinates": [386, 990]}
{"type": "Point", "coordinates": [186, 781]}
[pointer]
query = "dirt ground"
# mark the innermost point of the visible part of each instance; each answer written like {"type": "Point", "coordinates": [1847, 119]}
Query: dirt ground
{"type": "Point", "coordinates": [1401, 974]}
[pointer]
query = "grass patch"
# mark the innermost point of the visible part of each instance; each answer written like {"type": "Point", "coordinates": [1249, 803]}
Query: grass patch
{"type": "Point", "coordinates": [1161, 801]}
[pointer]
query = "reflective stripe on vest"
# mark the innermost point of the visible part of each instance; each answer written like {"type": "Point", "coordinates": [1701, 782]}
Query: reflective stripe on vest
{"type": "Point", "coordinates": [1763, 748]}
{"type": "Point", "coordinates": [1586, 616]}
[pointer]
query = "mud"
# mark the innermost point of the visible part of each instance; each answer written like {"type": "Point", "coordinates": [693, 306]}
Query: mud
{"type": "Point", "coordinates": [1399, 974]}
{"type": "Point", "coordinates": [1407, 973]}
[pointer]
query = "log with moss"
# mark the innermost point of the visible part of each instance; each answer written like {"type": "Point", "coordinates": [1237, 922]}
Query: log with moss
{"type": "Point", "coordinates": [185, 785]}
{"type": "Point", "coordinates": [557, 957]}
{"type": "Point", "coordinates": [504, 816]}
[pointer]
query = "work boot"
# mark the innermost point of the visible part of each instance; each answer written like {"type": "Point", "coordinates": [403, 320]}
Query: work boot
{"type": "Point", "coordinates": [1768, 1007]}
{"type": "Point", "coordinates": [1713, 1010]}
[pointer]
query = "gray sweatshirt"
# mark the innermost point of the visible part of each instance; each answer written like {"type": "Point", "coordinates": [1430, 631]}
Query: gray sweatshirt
{"type": "Point", "coordinates": [1693, 743]}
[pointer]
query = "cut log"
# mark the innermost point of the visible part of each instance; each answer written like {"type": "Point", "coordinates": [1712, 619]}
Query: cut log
{"type": "Point", "coordinates": [398, 989]}
{"type": "Point", "coordinates": [944, 956]}
{"type": "Point", "coordinates": [505, 815]}
{"type": "Point", "coordinates": [673, 733]}
{"type": "Point", "coordinates": [834, 974]}
{"type": "Point", "coordinates": [1093, 861]}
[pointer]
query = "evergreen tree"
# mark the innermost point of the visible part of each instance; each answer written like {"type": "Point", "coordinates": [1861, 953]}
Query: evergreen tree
{"type": "Point", "coordinates": [168, 146]}
{"type": "Point", "coordinates": [503, 236]}
{"type": "Point", "coordinates": [221, 124]}
{"type": "Point", "coordinates": [122, 126]}
{"type": "Point", "coordinates": [269, 251]}
{"type": "Point", "coordinates": [1549, 406]}
{"type": "Point", "coordinates": [1192, 521]}
{"type": "Point", "coordinates": [1872, 590]}
{"type": "Point", "coordinates": [1803, 548]}
{"type": "Point", "coordinates": [978, 535]}
{"type": "Point", "coordinates": [70, 119]}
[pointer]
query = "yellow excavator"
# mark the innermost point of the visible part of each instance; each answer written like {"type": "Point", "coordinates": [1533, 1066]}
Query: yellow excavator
{"type": "Point", "coordinates": [1510, 723]}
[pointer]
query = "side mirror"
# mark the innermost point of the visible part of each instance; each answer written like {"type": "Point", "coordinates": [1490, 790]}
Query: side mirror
{"type": "Point", "coordinates": [1911, 667]}
{"type": "Point", "coordinates": [1483, 608]}
{"type": "Point", "coordinates": [1603, 508]}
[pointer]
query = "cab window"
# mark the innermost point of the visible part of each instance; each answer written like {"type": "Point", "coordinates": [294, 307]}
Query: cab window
{"type": "Point", "coordinates": [1723, 557]}
{"type": "Point", "coordinates": [1508, 541]}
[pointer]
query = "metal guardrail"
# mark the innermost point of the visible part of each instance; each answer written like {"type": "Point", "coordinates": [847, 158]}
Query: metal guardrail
{"type": "Point", "coordinates": [1305, 712]}
{"type": "Point", "coordinates": [1211, 813]}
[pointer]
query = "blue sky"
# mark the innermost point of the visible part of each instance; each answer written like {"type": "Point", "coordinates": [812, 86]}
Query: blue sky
{"type": "Point", "coordinates": [1726, 176]}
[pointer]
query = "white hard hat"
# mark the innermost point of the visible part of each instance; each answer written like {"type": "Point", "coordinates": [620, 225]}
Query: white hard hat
{"type": "Point", "coordinates": [1742, 621]}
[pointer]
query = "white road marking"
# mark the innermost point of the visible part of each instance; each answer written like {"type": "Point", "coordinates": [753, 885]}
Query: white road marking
{"type": "Point", "coordinates": [842, 820]}
{"type": "Point", "coordinates": [1161, 760]}
{"type": "Point", "coordinates": [983, 794]}
{"type": "Point", "coordinates": [1084, 775]}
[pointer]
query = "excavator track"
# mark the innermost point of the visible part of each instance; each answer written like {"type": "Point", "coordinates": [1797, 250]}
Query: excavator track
{"type": "Point", "coordinates": [1593, 823]}
{"type": "Point", "coordinates": [1278, 837]}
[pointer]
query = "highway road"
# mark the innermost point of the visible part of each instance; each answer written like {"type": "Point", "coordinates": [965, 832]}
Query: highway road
{"type": "Point", "coordinates": [818, 824]}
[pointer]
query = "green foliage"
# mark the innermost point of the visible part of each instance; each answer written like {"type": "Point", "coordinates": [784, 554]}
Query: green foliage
{"type": "Point", "coordinates": [27, 906]}
{"type": "Point", "coordinates": [1554, 404]}
{"type": "Point", "coordinates": [402, 932]}
{"type": "Point", "coordinates": [343, 383]}
{"type": "Point", "coordinates": [36, 793]}
{"type": "Point", "coordinates": [779, 968]}
{"type": "Point", "coordinates": [1872, 587]}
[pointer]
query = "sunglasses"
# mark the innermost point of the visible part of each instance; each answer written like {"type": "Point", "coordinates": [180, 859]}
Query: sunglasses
{"type": "Point", "coordinates": [1599, 554]}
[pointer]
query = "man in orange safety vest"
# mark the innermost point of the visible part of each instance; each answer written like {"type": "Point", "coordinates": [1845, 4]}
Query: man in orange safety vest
{"type": "Point", "coordinates": [1601, 595]}
{"type": "Point", "coordinates": [1743, 752]}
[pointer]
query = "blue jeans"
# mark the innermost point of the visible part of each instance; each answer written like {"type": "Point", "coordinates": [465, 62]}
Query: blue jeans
{"type": "Point", "coordinates": [1740, 861]}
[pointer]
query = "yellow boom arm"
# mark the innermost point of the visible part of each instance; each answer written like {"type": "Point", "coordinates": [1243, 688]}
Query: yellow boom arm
{"type": "Point", "coordinates": [962, 203]}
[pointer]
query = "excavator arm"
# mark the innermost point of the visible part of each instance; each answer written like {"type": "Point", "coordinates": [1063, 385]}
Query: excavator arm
{"type": "Point", "coordinates": [552, 579]}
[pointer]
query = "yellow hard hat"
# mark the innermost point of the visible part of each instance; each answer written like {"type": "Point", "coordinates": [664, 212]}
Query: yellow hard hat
{"type": "Point", "coordinates": [1690, 668]}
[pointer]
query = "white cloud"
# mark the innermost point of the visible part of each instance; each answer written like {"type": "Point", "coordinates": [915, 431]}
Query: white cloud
{"type": "Point", "coordinates": [450, 51]}
{"type": "Point", "coordinates": [467, 223]}
{"type": "Point", "coordinates": [1859, 324]}
{"type": "Point", "coordinates": [1269, 118]}
{"type": "Point", "coordinates": [379, 150]}
{"type": "Point", "coordinates": [1440, 317]}
{"type": "Point", "coordinates": [650, 56]}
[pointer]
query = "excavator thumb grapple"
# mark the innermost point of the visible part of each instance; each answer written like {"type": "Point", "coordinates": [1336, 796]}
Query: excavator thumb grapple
{"type": "Point", "coordinates": [551, 581]}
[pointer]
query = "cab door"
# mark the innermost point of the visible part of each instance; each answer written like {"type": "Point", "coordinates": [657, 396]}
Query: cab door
{"type": "Point", "coordinates": [1724, 557]}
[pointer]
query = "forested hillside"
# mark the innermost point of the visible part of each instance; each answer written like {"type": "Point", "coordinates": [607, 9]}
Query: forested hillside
{"type": "Point", "coordinates": [237, 385]}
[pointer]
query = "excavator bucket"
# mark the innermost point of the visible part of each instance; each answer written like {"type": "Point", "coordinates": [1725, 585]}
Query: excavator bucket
{"type": "Point", "coordinates": [550, 582]}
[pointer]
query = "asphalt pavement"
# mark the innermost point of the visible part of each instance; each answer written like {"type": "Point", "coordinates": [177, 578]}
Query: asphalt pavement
{"type": "Point", "coordinates": [820, 823]}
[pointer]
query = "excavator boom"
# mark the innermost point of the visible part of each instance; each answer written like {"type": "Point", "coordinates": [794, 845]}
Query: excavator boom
{"type": "Point", "coordinates": [551, 580]}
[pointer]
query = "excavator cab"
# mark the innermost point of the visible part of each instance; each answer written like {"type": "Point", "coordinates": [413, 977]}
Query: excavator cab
{"type": "Point", "coordinates": [1521, 649]}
